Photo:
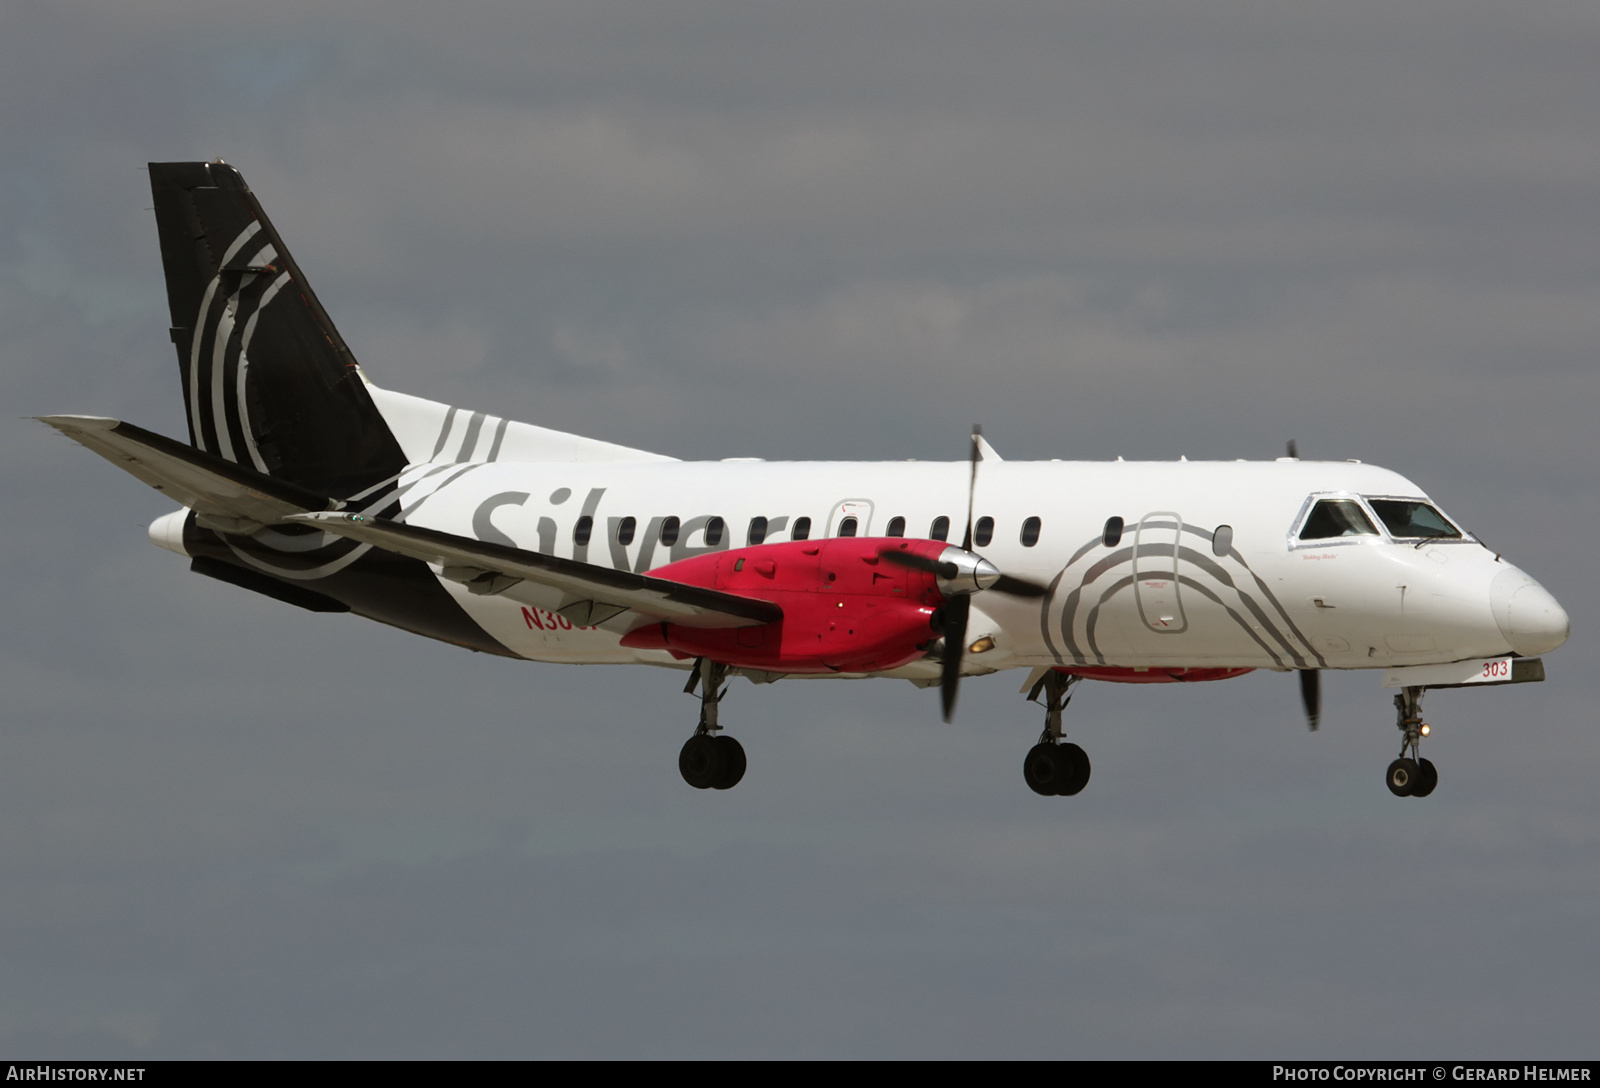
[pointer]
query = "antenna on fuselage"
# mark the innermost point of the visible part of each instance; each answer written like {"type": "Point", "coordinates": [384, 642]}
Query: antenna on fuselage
{"type": "Point", "coordinates": [1294, 449]}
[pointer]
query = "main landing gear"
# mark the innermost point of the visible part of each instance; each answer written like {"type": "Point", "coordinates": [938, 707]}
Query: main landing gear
{"type": "Point", "coordinates": [1052, 768]}
{"type": "Point", "coordinates": [1411, 775]}
{"type": "Point", "coordinates": [709, 761]}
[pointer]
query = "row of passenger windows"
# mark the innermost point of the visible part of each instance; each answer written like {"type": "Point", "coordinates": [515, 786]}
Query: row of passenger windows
{"type": "Point", "coordinates": [716, 529]}
{"type": "Point", "coordinates": [1329, 519]}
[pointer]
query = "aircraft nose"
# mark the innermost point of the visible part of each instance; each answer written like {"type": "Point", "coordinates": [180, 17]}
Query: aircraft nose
{"type": "Point", "coordinates": [1529, 617]}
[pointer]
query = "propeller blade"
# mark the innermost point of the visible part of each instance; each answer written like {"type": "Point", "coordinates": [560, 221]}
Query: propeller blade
{"type": "Point", "coordinates": [955, 645]}
{"type": "Point", "coordinates": [1311, 696]}
{"type": "Point", "coordinates": [1005, 583]}
{"type": "Point", "coordinates": [1019, 587]}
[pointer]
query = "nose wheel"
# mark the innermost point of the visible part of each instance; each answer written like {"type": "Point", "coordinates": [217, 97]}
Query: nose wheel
{"type": "Point", "coordinates": [1411, 775]}
{"type": "Point", "coordinates": [1054, 768]}
{"type": "Point", "coordinates": [709, 761]}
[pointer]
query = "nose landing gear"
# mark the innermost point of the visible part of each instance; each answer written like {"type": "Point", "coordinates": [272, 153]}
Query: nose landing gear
{"type": "Point", "coordinates": [1411, 775]}
{"type": "Point", "coordinates": [709, 761]}
{"type": "Point", "coordinates": [1051, 768]}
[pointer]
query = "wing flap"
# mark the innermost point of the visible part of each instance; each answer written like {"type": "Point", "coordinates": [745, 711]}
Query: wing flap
{"type": "Point", "coordinates": [595, 591]}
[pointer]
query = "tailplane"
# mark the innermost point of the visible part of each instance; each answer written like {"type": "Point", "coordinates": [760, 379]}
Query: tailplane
{"type": "Point", "coordinates": [268, 382]}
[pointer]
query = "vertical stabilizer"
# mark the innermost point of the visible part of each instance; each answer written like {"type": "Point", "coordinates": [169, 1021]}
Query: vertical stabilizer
{"type": "Point", "coordinates": [267, 380]}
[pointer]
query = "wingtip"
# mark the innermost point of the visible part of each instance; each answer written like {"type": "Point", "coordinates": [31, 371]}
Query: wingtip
{"type": "Point", "coordinates": [66, 423]}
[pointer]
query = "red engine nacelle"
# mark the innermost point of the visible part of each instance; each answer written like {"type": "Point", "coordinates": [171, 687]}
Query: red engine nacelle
{"type": "Point", "coordinates": [844, 608]}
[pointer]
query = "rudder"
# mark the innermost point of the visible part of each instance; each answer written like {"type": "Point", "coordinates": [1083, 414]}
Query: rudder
{"type": "Point", "coordinates": [268, 382]}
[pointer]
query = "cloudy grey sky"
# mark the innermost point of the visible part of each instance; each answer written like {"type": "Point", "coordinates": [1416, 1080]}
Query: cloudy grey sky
{"type": "Point", "coordinates": [803, 230]}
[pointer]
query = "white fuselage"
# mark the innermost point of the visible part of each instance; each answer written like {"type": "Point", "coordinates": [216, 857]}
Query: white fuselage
{"type": "Point", "coordinates": [1168, 593]}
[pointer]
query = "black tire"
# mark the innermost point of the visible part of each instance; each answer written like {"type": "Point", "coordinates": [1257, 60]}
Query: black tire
{"type": "Point", "coordinates": [1427, 778]}
{"type": "Point", "coordinates": [1078, 776]}
{"type": "Point", "coordinates": [1403, 777]}
{"type": "Point", "coordinates": [1044, 770]}
{"type": "Point", "coordinates": [733, 763]}
{"type": "Point", "coordinates": [701, 761]}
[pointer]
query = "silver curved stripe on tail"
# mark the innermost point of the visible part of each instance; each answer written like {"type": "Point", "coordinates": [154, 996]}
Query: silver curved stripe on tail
{"type": "Point", "coordinates": [219, 411]}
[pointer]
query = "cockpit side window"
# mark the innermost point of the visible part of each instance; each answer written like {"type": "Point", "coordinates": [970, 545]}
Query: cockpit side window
{"type": "Point", "coordinates": [1408, 518]}
{"type": "Point", "coordinates": [1332, 518]}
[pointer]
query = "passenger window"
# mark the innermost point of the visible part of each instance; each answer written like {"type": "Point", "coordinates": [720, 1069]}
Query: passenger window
{"type": "Point", "coordinates": [1222, 540]}
{"type": "Point", "coordinates": [801, 530]}
{"type": "Point", "coordinates": [847, 527]}
{"type": "Point", "coordinates": [581, 530]}
{"type": "Point", "coordinates": [625, 529]}
{"type": "Point", "coordinates": [669, 532]}
{"type": "Point", "coordinates": [1030, 532]}
{"type": "Point", "coordinates": [1333, 518]}
{"type": "Point", "coordinates": [1113, 533]}
{"type": "Point", "coordinates": [940, 529]}
{"type": "Point", "coordinates": [1406, 518]}
{"type": "Point", "coordinates": [983, 532]}
{"type": "Point", "coordinates": [714, 530]}
{"type": "Point", "coordinates": [758, 531]}
{"type": "Point", "coordinates": [897, 527]}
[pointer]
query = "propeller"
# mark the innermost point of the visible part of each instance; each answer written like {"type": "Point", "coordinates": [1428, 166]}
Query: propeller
{"type": "Point", "coordinates": [961, 573]}
{"type": "Point", "coordinates": [1311, 696]}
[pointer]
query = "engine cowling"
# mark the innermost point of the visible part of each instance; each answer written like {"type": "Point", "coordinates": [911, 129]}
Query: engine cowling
{"type": "Point", "coordinates": [845, 609]}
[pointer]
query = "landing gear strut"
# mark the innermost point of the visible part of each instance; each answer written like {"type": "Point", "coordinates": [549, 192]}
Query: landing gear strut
{"type": "Point", "coordinates": [1052, 768]}
{"type": "Point", "coordinates": [709, 761]}
{"type": "Point", "coordinates": [1411, 775]}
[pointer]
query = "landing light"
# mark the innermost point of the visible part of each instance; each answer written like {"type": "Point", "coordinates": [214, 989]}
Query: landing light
{"type": "Point", "coordinates": [1424, 730]}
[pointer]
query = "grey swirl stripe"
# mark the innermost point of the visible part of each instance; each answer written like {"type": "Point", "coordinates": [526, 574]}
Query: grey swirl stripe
{"type": "Point", "coordinates": [444, 433]}
{"type": "Point", "coordinates": [1273, 629]}
{"type": "Point", "coordinates": [499, 437]}
{"type": "Point", "coordinates": [474, 425]}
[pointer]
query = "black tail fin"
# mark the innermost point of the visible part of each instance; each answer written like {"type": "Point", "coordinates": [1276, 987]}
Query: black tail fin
{"type": "Point", "coordinates": [267, 380]}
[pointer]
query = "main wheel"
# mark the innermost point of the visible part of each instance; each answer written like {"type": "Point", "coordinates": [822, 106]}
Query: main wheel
{"type": "Point", "coordinates": [1404, 777]}
{"type": "Point", "coordinates": [702, 762]}
{"type": "Point", "coordinates": [733, 763]}
{"type": "Point", "coordinates": [1427, 778]}
{"type": "Point", "coordinates": [1045, 771]}
{"type": "Point", "coordinates": [1078, 776]}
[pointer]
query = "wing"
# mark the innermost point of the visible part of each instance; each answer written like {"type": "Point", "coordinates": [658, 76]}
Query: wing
{"type": "Point", "coordinates": [597, 593]}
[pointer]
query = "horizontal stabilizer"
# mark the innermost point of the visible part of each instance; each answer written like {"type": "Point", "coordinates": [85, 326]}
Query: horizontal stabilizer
{"type": "Point", "coordinates": [595, 591]}
{"type": "Point", "coordinates": [227, 496]}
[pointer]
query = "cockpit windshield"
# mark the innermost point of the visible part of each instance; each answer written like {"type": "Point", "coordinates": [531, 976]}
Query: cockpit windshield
{"type": "Point", "coordinates": [1410, 519]}
{"type": "Point", "coordinates": [1332, 518]}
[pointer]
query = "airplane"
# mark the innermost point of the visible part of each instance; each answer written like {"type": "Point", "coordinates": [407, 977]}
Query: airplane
{"type": "Point", "coordinates": [303, 481]}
